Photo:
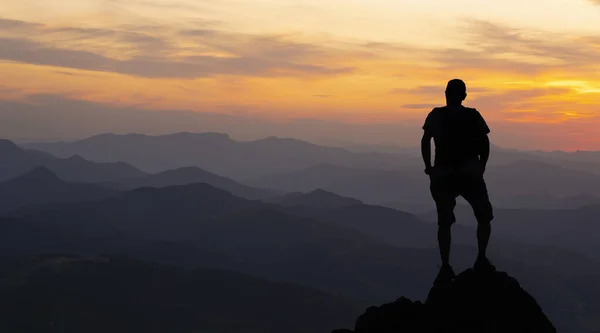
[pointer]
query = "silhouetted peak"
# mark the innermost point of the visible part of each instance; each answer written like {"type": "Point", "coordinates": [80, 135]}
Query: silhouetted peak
{"type": "Point", "coordinates": [474, 302]}
{"type": "Point", "coordinates": [97, 138]}
{"type": "Point", "coordinates": [39, 175]}
{"type": "Point", "coordinates": [77, 158]}
{"type": "Point", "coordinates": [210, 136]}
{"type": "Point", "coordinates": [197, 191]}
{"type": "Point", "coordinates": [529, 164]}
{"type": "Point", "coordinates": [186, 171]}
{"type": "Point", "coordinates": [274, 140]}
{"type": "Point", "coordinates": [317, 199]}
{"type": "Point", "coordinates": [320, 194]}
{"type": "Point", "coordinates": [8, 148]}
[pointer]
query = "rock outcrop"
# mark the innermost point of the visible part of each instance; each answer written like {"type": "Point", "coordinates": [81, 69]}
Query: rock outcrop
{"type": "Point", "coordinates": [473, 302]}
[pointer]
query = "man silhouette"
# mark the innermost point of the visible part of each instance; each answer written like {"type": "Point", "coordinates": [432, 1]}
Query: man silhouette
{"type": "Point", "coordinates": [462, 149]}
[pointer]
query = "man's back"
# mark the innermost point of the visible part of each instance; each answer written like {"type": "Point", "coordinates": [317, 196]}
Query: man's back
{"type": "Point", "coordinates": [456, 132]}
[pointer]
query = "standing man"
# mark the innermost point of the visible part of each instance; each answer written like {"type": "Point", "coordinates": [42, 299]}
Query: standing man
{"type": "Point", "coordinates": [462, 149]}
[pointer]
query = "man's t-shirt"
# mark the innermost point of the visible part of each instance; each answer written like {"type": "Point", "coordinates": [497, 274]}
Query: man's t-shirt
{"type": "Point", "coordinates": [455, 132]}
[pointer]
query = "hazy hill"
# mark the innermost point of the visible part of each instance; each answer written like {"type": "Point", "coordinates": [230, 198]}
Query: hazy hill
{"type": "Point", "coordinates": [402, 229]}
{"type": "Point", "coordinates": [266, 241]}
{"type": "Point", "coordinates": [516, 179]}
{"type": "Point", "coordinates": [191, 175]}
{"type": "Point", "coordinates": [574, 229]}
{"type": "Point", "coordinates": [371, 186]}
{"type": "Point", "coordinates": [41, 186]}
{"type": "Point", "coordinates": [271, 243]}
{"type": "Point", "coordinates": [519, 184]}
{"type": "Point", "coordinates": [15, 161]}
{"type": "Point", "coordinates": [317, 199]}
{"type": "Point", "coordinates": [124, 295]}
{"type": "Point", "coordinates": [214, 152]}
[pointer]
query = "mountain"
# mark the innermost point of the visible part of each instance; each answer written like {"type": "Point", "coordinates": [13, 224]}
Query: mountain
{"type": "Point", "coordinates": [536, 178]}
{"type": "Point", "coordinates": [517, 179]}
{"type": "Point", "coordinates": [521, 184]}
{"type": "Point", "coordinates": [117, 294]}
{"type": "Point", "coordinates": [15, 161]}
{"type": "Point", "coordinates": [191, 175]}
{"type": "Point", "coordinates": [385, 224]}
{"type": "Point", "coordinates": [269, 241]}
{"type": "Point", "coordinates": [316, 199]}
{"type": "Point", "coordinates": [371, 186]}
{"type": "Point", "coordinates": [214, 152]}
{"type": "Point", "coordinates": [473, 302]}
{"type": "Point", "coordinates": [573, 229]}
{"type": "Point", "coordinates": [402, 229]}
{"type": "Point", "coordinates": [42, 187]}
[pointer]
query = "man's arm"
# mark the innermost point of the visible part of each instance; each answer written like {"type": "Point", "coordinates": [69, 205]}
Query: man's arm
{"type": "Point", "coordinates": [426, 150]}
{"type": "Point", "coordinates": [484, 150]}
{"type": "Point", "coordinates": [482, 130]}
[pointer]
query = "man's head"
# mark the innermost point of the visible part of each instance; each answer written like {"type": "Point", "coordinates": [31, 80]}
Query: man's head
{"type": "Point", "coordinates": [456, 92]}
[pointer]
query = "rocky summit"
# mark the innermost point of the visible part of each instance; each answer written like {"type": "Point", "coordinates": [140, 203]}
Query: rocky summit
{"type": "Point", "coordinates": [473, 302]}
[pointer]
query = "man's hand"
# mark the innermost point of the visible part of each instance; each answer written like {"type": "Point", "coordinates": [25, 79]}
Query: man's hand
{"type": "Point", "coordinates": [428, 171]}
{"type": "Point", "coordinates": [482, 167]}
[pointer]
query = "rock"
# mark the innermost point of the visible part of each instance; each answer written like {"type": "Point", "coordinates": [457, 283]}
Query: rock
{"type": "Point", "coordinates": [473, 302]}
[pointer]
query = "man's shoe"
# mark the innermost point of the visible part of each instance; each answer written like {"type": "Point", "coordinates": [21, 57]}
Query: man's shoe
{"type": "Point", "coordinates": [445, 276]}
{"type": "Point", "coordinates": [483, 265]}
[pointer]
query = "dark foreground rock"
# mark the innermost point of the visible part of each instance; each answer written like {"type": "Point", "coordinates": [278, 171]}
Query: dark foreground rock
{"type": "Point", "coordinates": [474, 302]}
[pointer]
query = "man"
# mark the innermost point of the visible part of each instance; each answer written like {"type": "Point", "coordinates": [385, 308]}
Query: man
{"type": "Point", "coordinates": [462, 149]}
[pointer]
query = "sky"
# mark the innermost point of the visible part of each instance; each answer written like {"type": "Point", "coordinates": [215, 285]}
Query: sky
{"type": "Point", "coordinates": [531, 67]}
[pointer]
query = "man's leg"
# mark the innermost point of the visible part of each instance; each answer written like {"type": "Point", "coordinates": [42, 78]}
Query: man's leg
{"type": "Point", "coordinates": [446, 274]}
{"type": "Point", "coordinates": [445, 201]}
{"type": "Point", "coordinates": [484, 230]}
{"type": "Point", "coordinates": [444, 242]}
{"type": "Point", "coordinates": [477, 196]}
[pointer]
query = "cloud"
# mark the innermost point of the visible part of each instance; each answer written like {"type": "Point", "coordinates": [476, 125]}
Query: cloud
{"type": "Point", "coordinates": [189, 53]}
{"type": "Point", "coordinates": [6, 24]}
{"type": "Point", "coordinates": [517, 103]}
{"type": "Point", "coordinates": [6, 89]}
{"type": "Point", "coordinates": [419, 106]}
{"type": "Point", "coordinates": [204, 50]}
{"type": "Point", "coordinates": [494, 46]}
{"type": "Point", "coordinates": [499, 48]}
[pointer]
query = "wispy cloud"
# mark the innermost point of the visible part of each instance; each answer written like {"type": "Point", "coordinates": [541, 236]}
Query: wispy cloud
{"type": "Point", "coordinates": [419, 106]}
{"type": "Point", "coordinates": [179, 54]}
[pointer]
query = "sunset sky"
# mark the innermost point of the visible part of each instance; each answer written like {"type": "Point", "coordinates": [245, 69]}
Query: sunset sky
{"type": "Point", "coordinates": [532, 67]}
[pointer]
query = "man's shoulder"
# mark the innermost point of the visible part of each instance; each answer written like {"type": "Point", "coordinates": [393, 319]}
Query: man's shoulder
{"type": "Point", "coordinates": [471, 110]}
{"type": "Point", "coordinates": [436, 110]}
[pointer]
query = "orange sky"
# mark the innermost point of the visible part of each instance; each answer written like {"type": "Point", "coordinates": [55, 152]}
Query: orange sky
{"type": "Point", "coordinates": [353, 61]}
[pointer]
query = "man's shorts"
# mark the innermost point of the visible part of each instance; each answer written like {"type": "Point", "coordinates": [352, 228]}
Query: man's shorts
{"type": "Point", "coordinates": [445, 188]}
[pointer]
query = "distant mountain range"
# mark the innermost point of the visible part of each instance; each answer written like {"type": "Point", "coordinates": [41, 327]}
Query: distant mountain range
{"type": "Point", "coordinates": [354, 250]}
{"type": "Point", "coordinates": [16, 161]}
{"type": "Point", "coordinates": [43, 187]}
{"type": "Point", "coordinates": [286, 210]}
{"type": "Point", "coordinates": [389, 177]}
{"type": "Point", "coordinates": [191, 175]}
{"type": "Point", "coordinates": [574, 229]}
{"type": "Point", "coordinates": [214, 152]}
{"type": "Point", "coordinates": [522, 184]}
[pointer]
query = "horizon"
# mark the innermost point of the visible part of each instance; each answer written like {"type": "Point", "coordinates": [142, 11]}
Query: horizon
{"type": "Point", "coordinates": [342, 145]}
{"type": "Point", "coordinates": [304, 68]}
